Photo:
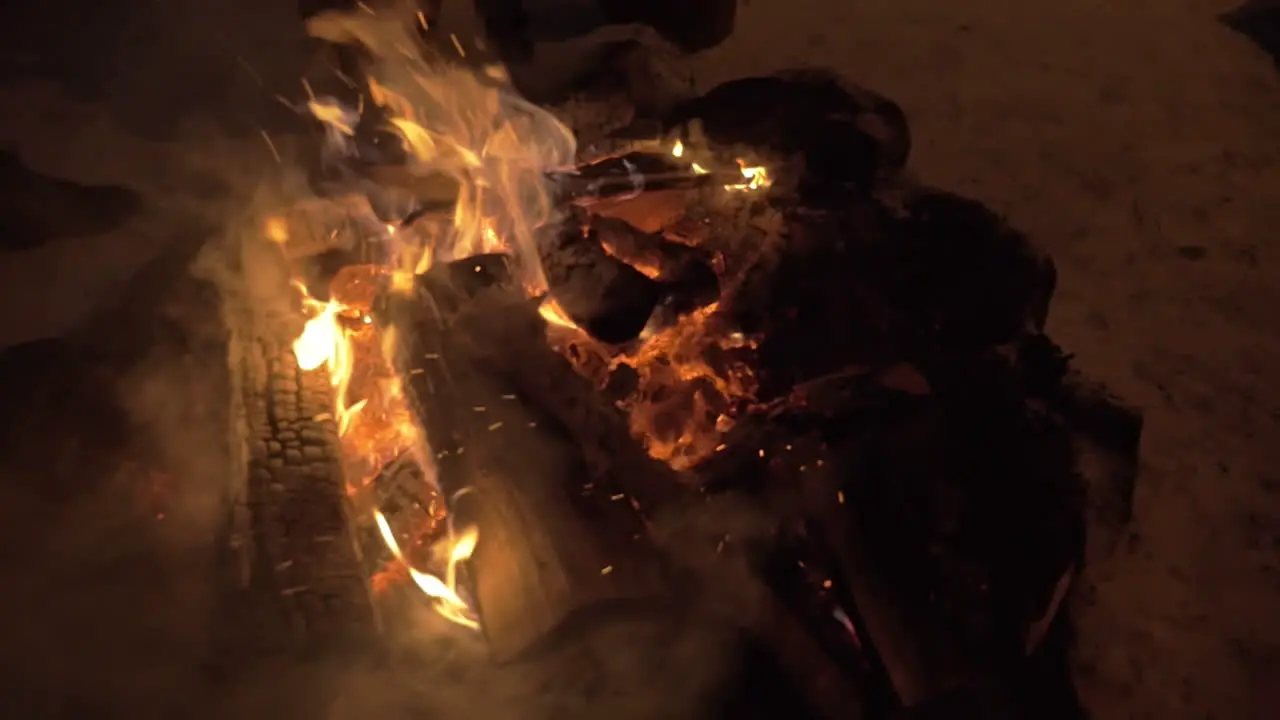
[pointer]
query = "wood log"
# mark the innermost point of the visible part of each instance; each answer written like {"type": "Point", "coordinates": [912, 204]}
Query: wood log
{"type": "Point", "coordinates": [920, 654]}
{"type": "Point", "coordinates": [556, 542]}
{"type": "Point", "coordinates": [1108, 428]}
{"type": "Point", "coordinates": [306, 552]}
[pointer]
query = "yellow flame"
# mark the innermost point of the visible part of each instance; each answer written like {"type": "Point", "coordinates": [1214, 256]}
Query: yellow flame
{"type": "Point", "coordinates": [276, 230]}
{"type": "Point", "coordinates": [444, 592]}
{"type": "Point", "coordinates": [551, 311]}
{"type": "Point", "coordinates": [320, 341]}
{"type": "Point", "coordinates": [753, 178]}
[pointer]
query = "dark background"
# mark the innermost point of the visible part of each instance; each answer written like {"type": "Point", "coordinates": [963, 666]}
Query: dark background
{"type": "Point", "coordinates": [1137, 141]}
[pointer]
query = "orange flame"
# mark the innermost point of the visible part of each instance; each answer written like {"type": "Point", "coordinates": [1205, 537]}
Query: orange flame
{"type": "Point", "coordinates": [449, 604]}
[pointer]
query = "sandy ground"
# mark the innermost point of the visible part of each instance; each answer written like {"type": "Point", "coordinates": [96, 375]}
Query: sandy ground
{"type": "Point", "coordinates": [1139, 142]}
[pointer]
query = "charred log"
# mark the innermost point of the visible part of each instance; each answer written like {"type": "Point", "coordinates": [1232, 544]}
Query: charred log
{"type": "Point", "coordinates": [305, 552]}
{"type": "Point", "coordinates": [685, 272]}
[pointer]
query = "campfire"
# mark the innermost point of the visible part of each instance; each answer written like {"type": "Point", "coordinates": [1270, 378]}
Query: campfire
{"type": "Point", "coordinates": [534, 352]}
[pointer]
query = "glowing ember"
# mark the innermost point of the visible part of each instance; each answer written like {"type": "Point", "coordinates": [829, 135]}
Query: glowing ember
{"type": "Point", "coordinates": [689, 386]}
{"type": "Point", "coordinates": [276, 230]}
{"type": "Point", "coordinates": [690, 381]}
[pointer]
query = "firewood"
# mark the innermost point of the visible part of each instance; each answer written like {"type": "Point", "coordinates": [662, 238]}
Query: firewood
{"type": "Point", "coordinates": [555, 542]}
{"type": "Point", "coordinates": [685, 272]}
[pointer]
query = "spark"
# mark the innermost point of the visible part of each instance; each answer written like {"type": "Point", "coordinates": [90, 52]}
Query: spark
{"type": "Point", "coordinates": [271, 146]}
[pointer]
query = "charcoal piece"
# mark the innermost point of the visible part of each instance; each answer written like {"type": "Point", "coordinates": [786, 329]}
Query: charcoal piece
{"type": "Point", "coordinates": [846, 134]}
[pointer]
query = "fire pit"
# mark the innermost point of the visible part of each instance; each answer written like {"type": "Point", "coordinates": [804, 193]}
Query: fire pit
{"type": "Point", "coordinates": [532, 378]}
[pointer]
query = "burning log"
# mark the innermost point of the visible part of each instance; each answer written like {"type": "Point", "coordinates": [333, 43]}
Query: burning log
{"type": "Point", "coordinates": [557, 538]}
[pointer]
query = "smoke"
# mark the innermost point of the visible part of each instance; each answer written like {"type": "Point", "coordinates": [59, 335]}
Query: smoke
{"type": "Point", "coordinates": [460, 123]}
{"type": "Point", "coordinates": [676, 664]}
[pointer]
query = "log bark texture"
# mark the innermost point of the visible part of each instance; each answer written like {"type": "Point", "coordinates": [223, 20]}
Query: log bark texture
{"type": "Point", "coordinates": [304, 550]}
